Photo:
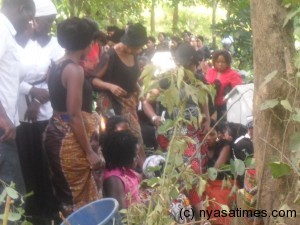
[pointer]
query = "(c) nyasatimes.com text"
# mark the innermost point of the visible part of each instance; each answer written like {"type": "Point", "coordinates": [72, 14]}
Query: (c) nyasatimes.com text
{"type": "Point", "coordinates": [208, 214]}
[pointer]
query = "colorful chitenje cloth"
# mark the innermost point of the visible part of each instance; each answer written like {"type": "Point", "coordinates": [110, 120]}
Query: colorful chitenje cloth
{"type": "Point", "coordinates": [72, 178]}
{"type": "Point", "coordinates": [110, 105]}
{"type": "Point", "coordinates": [250, 196]}
{"type": "Point", "coordinates": [195, 154]}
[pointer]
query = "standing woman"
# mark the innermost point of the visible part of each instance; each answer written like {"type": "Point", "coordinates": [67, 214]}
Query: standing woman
{"type": "Point", "coordinates": [73, 127]}
{"type": "Point", "coordinates": [116, 79]}
{"type": "Point", "coordinates": [223, 77]}
{"type": "Point", "coordinates": [35, 110]}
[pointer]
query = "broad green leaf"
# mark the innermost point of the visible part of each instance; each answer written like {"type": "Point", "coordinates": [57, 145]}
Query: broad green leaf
{"type": "Point", "coordinates": [286, 104]}
{"type": "Point", "coordinates": [2, 197]}
{"type": "Point", "coordinates": [295, 142]}
{"type": "Point", "coordinates": [26, 223]}
{"type": "Point", "coordinates": [296, 117]}
{"type": "Point", "coordinates": [12, 193]}
{"type": "Point", "coordinates": [174, 193]}
{"type": "Point", "coordinates": [290, 15]}
{"type": "Point", "coordinates": [268, 78]}
{"type": "Point", "coordinates": [250, 162]}
{"type": "Point", "coordinates": [279, 169]}
{"type": "Point", "coordinates": [239, 167]}
{"type": "Point", "coordinates": [178, 160]}
{"type": "Point", "coordinates": [158, 208]}
{"type": "Point", "coordinates": [269, 104]}
{"type": "Point", "coordinates": [165, 126]}
{"type": "Point", "coordinates": [153, 181]}
{"type": "Point", "coordinates": [201, 186]}
{"type": "Point", "coordinates": [12, 216]}
{"type": "Point", "coordinates": [180, 75]}
{"type": "Point", "coordinates": [212, 173]}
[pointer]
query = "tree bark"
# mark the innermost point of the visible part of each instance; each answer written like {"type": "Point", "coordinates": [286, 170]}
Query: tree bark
{"type": "Point", "coordinates": [152, 22]}
{"type": "Point", "coordinates": [175, 17]}
{"type": "Point", "coordinates": [213, 22]}
{"type": "Point", "coordinates": [273, 47]}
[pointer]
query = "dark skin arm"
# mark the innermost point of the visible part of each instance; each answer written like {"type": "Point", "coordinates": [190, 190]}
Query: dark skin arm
{"type": "Point", "coordinates": [148, 108]}
{"type": "Point", "coordinates": [6, 125]}
{"type": "Point", "coordinates": [72, 79]}
{"type": "Point", "coordinates": [114, 188]}
{"type": "Point", "coordinates": [223, 157]}
{"type": "Point", "coordinates": [98, 83]}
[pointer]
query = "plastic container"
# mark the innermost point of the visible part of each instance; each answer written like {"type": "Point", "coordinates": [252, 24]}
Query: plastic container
{"type": "Point", "coordinates": [100, 212]}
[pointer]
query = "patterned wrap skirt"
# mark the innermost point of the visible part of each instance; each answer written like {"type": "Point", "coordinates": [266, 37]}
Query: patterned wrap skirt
{"type": "Point", "coordinates": [73, 180]}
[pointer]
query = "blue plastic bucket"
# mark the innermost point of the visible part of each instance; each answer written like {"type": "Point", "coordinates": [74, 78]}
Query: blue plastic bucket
{"type": "Point", "coordinates": [100, 212]}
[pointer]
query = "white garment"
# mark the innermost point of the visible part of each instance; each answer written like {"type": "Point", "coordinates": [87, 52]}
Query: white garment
{"type": "Point", "coordinates": [44, 8]}
{"type": "Point", "coordinates": [9, 69]}
{"type": "Point", "coordinates": [35, 61]}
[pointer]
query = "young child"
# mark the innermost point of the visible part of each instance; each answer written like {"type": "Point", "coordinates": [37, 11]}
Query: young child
{"type": "Point", "coordinates": [120, 180]}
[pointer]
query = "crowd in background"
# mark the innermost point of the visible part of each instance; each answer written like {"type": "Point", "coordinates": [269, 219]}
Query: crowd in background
{"type": "Point", "coordinates": [53, 140]}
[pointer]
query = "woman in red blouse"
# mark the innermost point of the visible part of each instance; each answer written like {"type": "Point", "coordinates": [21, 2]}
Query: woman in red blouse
{"type": "Point", "coordinates": [223, 77]}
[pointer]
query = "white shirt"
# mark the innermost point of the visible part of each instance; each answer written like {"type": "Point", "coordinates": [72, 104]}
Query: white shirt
{"type": "Point", "coordinates": [9, 69]}
{"type": "Point", "coordinates": [35, 61]}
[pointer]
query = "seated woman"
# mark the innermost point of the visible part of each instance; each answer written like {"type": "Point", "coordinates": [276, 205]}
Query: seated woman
{"type": "Point", "coordinates": [220, 153]}
{"type": "Point", "coordinates": [120, 180]}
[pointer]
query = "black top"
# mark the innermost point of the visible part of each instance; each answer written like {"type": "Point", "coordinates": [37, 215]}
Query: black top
{"type": "Point", "coordinates": [218, 148]}
{"type": "Point", "coordinates": [58, 93]}
{"type": "Point", "coordinates": [120, 74]}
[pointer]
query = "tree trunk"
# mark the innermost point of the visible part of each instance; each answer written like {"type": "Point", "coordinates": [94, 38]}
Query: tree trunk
{"type": "Point", "coordinates": [273, 47]}
{"type": "Point", "coordinates": [214, 13]}
{"type": "Point", "coordinates": [175, 17]}
{"type": "Point", "coordinates": [152, 22]}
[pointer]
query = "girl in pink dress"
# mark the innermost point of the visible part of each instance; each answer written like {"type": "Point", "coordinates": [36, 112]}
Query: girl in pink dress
{"type": "Point", "coordinates": [120, 180]}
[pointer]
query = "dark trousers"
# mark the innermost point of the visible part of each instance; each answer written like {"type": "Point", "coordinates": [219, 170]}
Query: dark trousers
{"type": "Point", "coordinates": [34, 163]}
{"type": "Point", "coordinates": [10, 170]}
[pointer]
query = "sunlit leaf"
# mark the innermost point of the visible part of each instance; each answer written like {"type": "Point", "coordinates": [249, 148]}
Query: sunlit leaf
{"type": "Point", "coordinates": [12, 193]}
{"type": "Point", "coordinates": [279, 169]}
{"type": "Point", "coordinates": [268, 78]}
{"type": "Point", "coordinates": [269, 104]}
{"type": "Point", "coordinates": [212, 173]}
{"type": "Point", "coordinates": [166, 126]}
{"type": "Point", "coordinates": [239, 167]}
{"type": "Point", "coordinates": [286, 104]}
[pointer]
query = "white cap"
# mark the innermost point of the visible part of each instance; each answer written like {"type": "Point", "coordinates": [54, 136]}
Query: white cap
{"type": "Point", "coordinates": [44, 8]}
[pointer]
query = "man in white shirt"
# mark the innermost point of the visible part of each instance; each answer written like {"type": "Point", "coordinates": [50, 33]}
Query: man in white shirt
{"type": "Point", "coordinates": [14, 17]}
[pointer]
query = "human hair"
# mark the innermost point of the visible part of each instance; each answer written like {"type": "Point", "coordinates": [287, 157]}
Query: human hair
{"type": "Point", "coordinates": [28, 4]}
{"type": "Point", "coordinates": [235, 130]}
{"type": "Point", "coordinates": [112, 28]}
{"type": "Point", "coordinates": [177, 39]}
{"type": "Point", "coordinates": [112, 123]}
{"type": "Point", "coordinates": [200, 37]}
{"type": "Point", "coordinates": [152, 39]}
{"type": "Point", "coordinates": [119, 149]}
{"type": "Point", "coordinates": [75, 34]}
{"type": "Point", "coordinates": [95, 26]}
{"type": "Point", "coordinates": [223, 53]}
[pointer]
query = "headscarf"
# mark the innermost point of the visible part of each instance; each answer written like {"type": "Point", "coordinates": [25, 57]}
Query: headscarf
{"type": "Point", "coordinates": [44, 8]}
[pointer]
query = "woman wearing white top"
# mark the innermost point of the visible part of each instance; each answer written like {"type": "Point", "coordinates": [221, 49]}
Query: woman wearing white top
{"type": "Point", "coordinates": [35, 110]}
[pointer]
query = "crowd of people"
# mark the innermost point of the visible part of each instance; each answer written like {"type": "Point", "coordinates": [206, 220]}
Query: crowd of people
{"type": "Point", "coordinates": [53, 140]}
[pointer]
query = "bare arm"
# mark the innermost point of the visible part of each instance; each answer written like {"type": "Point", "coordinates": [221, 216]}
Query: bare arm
{"type": "Point", "coordinates": [206, 118]}
{"type": "Point", "coordinates": [72, 79]}
{"type": "Point", "coordinates": [148, 108]}
{"type": "Point", "coordinates": [114, 188]}
{"type": "Point", "coordinates": [6, 125]}
{"type": "Point", "coordinates": [223, 157]}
